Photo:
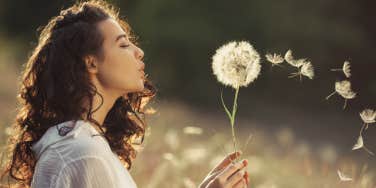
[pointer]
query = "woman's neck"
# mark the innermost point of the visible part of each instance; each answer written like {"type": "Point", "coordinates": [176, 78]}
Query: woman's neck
{"type": "Point", "coordinates": [104, 104]}
{"type": "Point", "coordinates": [100, 114]}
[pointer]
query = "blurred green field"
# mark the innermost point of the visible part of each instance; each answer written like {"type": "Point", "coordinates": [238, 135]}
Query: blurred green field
{"type": "Point", "coordinates": [171, 157]}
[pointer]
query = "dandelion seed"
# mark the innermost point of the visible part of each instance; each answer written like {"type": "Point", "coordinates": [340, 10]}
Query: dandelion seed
{"type": "Point", "coordinates": [346, 69]}
{"type": "Point", "coordinates": [306, 69]}
{"type": "Point", "coordinates": [192, 130]}
{"type": "Point", "coordinates": [360, 144]}
{"type": "Point", "coordinates": [343, 88]}
{"type": "Point", "coordinates": [275, 59]}
{"type": "Point", "coordinates": [236, 64]}
{"type": "Point", "coordinates": [290, 59]}
{"type": "Point", "coordinates": [368, 116]}
{"type": "Point", "coordinates": [343, 177]}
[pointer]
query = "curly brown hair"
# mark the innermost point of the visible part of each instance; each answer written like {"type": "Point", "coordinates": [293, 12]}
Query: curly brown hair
{"type": "Point", "coordinates": [55, 87]}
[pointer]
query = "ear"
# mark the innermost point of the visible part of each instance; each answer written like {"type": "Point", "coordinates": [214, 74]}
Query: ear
{"type": "Point", "coordinates": [91, 64]}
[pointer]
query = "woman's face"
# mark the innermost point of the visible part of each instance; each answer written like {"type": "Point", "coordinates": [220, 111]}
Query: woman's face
{"type": "Point", "coordinates": [121, 70]}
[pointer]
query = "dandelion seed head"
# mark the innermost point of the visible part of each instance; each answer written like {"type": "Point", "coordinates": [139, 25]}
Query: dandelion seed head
{"type": "Point", "coordinates": [307, 70]}
{"type": "Point", "coordinates": [368, 116]}
{"type": "Point", "coordinates": [236, 64]}
{"type": "Point", "coordinates": [347, 69]}
{"type": "Point", "coordinates": [343, 88]}
{"type": "Point", "coordinates": [274, 59]}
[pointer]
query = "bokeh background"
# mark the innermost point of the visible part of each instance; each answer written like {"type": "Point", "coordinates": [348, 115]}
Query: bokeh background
{"type": "Point", "coordinates": [299, 139]}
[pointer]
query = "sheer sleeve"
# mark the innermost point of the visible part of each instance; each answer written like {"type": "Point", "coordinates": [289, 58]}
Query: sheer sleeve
{"type": "Point", "coordinates": [85, 172]}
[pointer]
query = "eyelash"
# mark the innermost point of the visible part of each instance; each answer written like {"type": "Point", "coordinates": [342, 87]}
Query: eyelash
{"type": "Point", "coordinates": [124, 46]}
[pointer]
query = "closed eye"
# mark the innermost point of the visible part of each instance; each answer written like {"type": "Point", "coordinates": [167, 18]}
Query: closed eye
{"type": "Point", "coordinates": [124, 46]}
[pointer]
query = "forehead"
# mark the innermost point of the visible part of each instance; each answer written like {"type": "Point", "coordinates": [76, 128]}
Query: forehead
{"type": "Point", "coordinates": [110, 29]}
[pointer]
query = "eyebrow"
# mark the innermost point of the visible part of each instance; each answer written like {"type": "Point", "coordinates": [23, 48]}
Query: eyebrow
{"type": "Point", "coordinates": [121, 36]}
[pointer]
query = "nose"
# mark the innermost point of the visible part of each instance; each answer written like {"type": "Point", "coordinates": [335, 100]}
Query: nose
{"type": "Point", "coordinates": [139, 53]}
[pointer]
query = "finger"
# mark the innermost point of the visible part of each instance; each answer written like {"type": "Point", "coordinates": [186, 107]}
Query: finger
{"type": "Point", "coordinates": [227, 160]}
{"type": "Point", "coordinates": [246, 177]}
{"type": "Point", "coordinates": [240, 184]}
{"type": "Point", "coordinates": [236, 178]}
{"type": "Point", "coordinates": [233, 168]}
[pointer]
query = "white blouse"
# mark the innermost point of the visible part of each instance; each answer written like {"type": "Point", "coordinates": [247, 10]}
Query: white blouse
{"type": "Point", "coordinates": [76, 159]}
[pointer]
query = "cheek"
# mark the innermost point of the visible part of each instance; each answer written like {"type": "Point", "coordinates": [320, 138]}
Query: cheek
{"type": "Point", "coordinates": [118, 71]}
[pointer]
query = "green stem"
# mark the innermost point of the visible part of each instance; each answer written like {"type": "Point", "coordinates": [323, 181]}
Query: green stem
{"type": "Point", "coordinates": [225, 107]}
{"type": "Point", "coordinates": [234, 108]}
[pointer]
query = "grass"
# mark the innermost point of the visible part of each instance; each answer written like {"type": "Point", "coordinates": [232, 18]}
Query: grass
{"type": "Point", "coordinates": [171, 158]}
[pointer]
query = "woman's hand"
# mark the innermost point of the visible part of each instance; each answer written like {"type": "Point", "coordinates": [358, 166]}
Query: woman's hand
{"type": "Point", "coordinates": [227, 174]}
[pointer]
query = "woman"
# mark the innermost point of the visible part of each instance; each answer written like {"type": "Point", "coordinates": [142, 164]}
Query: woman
{"type": "Point", "coordinates": [82, 93]}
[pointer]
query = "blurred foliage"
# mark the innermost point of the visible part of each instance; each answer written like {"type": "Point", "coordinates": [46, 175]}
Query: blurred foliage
{"type": "Point", "coordinates": [180, 36]}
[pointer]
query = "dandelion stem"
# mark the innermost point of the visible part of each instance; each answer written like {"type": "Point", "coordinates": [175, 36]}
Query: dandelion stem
{"type": "Point", "coordinates": [224, 106]}
{"type": "Point", "coordinates": [368, 151]}
{"type": "Point", "coordinates": [292, 75]}
{"type": "Point", "coordinates": [360, 134]}
{"type": "Point", "coordinates": [234, 108]}
{"type": "Point", "coordinates": [344, 106]}
{"type": "Point", "coordinates": [330, 95]}
{"type": "Point", "coordinates": [362, 129]}
{"type": "Point", "coordinates": [336, 69]}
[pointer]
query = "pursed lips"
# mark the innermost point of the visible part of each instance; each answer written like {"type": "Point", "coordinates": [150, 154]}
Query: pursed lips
{"type": "Point", "coordinates": [142, 74]}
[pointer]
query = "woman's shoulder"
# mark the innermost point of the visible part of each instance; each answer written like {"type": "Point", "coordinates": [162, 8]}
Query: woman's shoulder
{"type": "Point", "coordinates": [70, 140]}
